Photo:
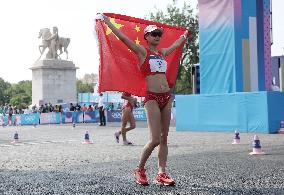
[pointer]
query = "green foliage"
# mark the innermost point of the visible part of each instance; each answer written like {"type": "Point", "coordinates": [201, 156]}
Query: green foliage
{"type": "Point", "coordinates": [4, 96]}
{"type": "Point", "coordinates": [84, 87]}
{"type": "Point", "coordinates": [183, 17]}
{"type": "Point", "coordinates": [21, 94]}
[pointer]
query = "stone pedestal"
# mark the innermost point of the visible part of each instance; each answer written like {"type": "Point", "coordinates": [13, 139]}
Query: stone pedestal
{"type": "Point", "coordinates": [53, 81]}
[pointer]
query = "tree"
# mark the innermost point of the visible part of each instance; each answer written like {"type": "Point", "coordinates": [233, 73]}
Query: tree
{"type": "Point", "coordinates": [21, 94]}
{"type": "Point", "coordinates": [183, 17]}
{"type": "Point", "coordinates": [90, 78]}
{"type": "Point", "coordinates": [87, 83]}
{"type": "Point", "coordinates": [4, 96]}
{"type": "Point", "coordinates": [84, 87]}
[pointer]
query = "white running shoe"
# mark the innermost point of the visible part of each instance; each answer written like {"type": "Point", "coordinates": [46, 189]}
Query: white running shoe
{"type": "Point", "coordinates": [116, 136]}
{"type": "Point", "coordinates": [127, 143]}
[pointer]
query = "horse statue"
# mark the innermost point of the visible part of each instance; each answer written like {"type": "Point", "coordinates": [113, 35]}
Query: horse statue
{"type": "Point", "coordinates": [61, 43]}
{"type": "Point", "coordinates": [44, 33]}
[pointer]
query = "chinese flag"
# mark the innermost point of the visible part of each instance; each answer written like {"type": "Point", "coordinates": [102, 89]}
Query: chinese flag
{"type": "Point", "coordinates": [119, 70]}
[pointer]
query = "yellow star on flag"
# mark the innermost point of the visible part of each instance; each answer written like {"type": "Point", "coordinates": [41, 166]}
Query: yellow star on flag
{"type": "Point", "coordinates": [137, 41]}
{"type": "Point", "coordinates": [117, 25]}
{"type": "Point", "coordinates": [137, 28]}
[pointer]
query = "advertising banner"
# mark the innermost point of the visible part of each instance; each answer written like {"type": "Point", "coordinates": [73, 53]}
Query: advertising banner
{"type": "Point", "coordinates": [91, 117]}
{"type": "Point", "coordinates": [140, 114]}
{"type": "Point", "coordinates": [50, 118]}
{"type": "Point", "coordinates": [28, 119]}
{"type": "Point", "coordinates": [67, 117]}
{"type": "Point", "coordinates": [79, 117]}
{"type": "Point", "coordinates": [115, 115]}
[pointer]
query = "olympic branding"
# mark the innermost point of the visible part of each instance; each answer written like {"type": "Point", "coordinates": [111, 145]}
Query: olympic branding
{"type": "Point", "coordinates": [30, 118]}
{"type": "Point", "coordinates": [116, 115]}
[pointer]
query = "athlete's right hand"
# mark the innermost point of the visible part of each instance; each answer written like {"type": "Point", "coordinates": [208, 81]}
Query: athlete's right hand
{"type": "Point", "coordinates": [100, 17]}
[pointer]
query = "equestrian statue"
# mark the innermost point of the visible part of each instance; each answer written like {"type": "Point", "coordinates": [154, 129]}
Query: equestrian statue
{"type": "Point", "coordinates": [53, 42]}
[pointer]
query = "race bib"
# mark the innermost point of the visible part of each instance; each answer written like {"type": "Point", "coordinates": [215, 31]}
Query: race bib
{"type": "Point", "coordinates": [157, 63]}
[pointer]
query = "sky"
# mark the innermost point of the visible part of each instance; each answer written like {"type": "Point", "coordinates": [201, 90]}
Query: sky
{"type": "Point", "coordinates": [21, 22]}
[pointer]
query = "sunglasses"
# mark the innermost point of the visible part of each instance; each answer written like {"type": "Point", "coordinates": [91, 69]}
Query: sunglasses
{"type": "Point", "coordinates": [155, 34]}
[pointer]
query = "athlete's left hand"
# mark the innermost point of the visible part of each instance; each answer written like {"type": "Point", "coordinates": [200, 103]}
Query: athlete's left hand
{"type": "Point", "coordinates": [185, 34]}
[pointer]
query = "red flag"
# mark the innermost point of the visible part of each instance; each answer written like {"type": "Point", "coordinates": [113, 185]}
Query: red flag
{"type": "Point", "coordinates": [119, 69]}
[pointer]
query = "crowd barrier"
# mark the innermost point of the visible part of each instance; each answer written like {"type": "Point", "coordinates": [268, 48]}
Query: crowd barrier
{"type": "Point", "coordinates": [68, 117]}
{"type": "Point", "coordinates": [71, 117]}
{"type": "Point", "coordinates": [115, 115]}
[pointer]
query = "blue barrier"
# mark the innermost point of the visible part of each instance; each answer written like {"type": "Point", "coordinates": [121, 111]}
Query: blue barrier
{"type": "Point", "coordinates": [6, 119]}
{"type": "Point", "coordinates": [80, 117]}
{"type": "Point", "coordinates": [140, 114]}
{"type": "Point", "coordinates": [91, 117]}
{"type": "Point", "coordinates": [50, 118]}
{"type": "Point", "coordinates": [29, 119]}
{"type": "Point", "coordinates": [21, 119]}
{"type": "Point", "coordinates": [115, 115]}
{"type": "Point", "coordinates": [69, 117]}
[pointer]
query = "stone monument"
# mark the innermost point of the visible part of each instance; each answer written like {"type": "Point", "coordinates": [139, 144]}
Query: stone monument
{"type": "Point", "coordinates": [53, 79]}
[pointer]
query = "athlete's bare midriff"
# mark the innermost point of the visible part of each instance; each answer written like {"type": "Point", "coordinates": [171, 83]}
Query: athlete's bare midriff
{"type": "Point", "coordinates": [157, 83]}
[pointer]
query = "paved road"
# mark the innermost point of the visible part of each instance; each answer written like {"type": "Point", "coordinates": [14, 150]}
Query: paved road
{"type": "Point", "coordinates": [51, 159]}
